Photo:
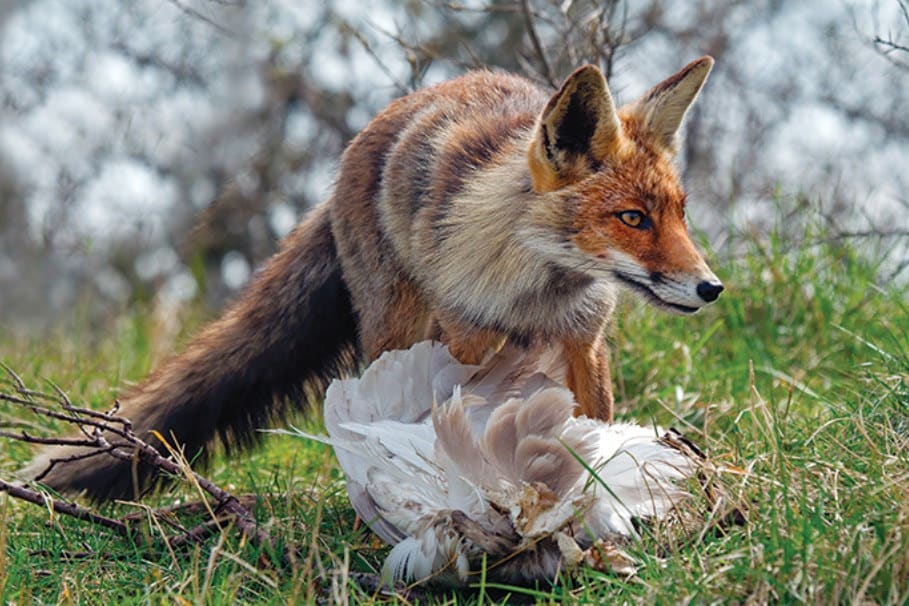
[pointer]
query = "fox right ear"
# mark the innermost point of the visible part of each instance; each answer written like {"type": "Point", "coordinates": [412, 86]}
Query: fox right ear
{"type": "Point", "coordinates": [663, 108]}
{"type": "Point", "coordinates": [578, 125]}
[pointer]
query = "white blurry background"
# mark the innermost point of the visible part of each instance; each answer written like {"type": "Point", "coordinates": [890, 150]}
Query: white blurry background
{"type": "Point", "coordinates": [154, 151]}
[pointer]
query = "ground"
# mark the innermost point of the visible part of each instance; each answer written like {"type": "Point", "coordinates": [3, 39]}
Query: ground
{"type": "Point", "coordinates": [799, 375]}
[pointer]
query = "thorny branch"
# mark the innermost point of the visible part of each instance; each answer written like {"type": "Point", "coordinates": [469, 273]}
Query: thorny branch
{"type": "Point", "coordinates": [106, 434]}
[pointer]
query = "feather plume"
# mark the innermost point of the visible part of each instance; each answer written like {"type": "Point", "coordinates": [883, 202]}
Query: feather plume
{"type": "Point", "coordinates": [453, 463]}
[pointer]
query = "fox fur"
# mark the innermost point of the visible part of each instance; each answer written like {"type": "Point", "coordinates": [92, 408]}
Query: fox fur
{"type": "Point", "coordinates": [479, 211]}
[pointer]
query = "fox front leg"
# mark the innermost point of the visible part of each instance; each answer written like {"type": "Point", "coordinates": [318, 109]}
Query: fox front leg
{"type": "Point", "coordinates": [588, 377]}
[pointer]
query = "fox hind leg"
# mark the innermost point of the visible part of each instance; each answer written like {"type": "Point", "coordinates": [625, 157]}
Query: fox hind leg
{"type": "Point", "coordinates": [469, 344]}
{"type": "Point", "coordinates": [398, 322]}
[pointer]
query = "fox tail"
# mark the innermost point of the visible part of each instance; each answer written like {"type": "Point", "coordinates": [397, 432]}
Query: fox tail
{"type": "Point", "coordinates": [292, 325]}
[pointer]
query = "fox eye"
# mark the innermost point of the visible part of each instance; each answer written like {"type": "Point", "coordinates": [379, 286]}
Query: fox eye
{"type": "Point", "coordinates": [634, 218]}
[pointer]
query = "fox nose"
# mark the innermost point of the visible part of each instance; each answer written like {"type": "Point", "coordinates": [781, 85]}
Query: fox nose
{"type": "Point", "coordinates": [709, 291]}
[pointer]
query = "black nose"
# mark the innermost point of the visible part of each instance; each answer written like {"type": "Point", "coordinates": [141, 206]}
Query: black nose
{"type": "Point", "coordinates": [709, 291]}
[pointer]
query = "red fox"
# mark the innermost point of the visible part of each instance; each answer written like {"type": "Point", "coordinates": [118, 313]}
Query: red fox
{"type": "Point", "coordinates": [477, 211]}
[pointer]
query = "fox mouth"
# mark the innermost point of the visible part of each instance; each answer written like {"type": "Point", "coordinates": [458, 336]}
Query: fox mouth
{"type": "Point", "coordinates": [651, 297]}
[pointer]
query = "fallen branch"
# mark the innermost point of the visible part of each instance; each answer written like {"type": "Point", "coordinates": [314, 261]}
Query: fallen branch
{"type": "Point", "coordinates": [107, 434]}
{"type": "Point", "coordinates": [66, 508]}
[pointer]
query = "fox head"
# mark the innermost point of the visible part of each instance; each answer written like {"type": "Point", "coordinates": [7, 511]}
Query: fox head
{"type": "Point", "coordinates": [609, 179]}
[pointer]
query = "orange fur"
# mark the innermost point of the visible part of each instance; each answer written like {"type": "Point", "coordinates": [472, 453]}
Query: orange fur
{"type": "Point", "coordinates": [588, 377]}
{"type": "Point", "coordinates": [469, 344]}
{"type": "Point", "coordinates": [478, 211]}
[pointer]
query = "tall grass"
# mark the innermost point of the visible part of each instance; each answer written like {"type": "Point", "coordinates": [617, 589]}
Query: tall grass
{"type": "Point", "coordinates": [799, 375]}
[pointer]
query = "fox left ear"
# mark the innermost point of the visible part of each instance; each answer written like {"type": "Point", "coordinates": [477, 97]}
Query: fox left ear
{"type": "Point", "coordinates": [663, 108]}
{"type": "Point", "coordinates": [578, 126]}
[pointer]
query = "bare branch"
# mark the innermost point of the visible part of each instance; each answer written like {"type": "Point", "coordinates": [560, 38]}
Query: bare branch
{"type": "Point", "coordinates": [107, 435]}
{"type": "Point", "coordinates": [191, 12]}
{"type": "Point", "coordinates": [70, 509]}
{"type": "Point", "coordinates": [402, 89]}
{"type": "Point", "coordinates": [24, 436]}
{"type": "Point", "coordinates": [530, 24]}
{"type": "Point", "coordinates": [892, 48]}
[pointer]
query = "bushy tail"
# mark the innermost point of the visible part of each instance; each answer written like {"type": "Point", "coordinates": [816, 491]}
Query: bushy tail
{"type": "Point", "coordinates": [292, 325]}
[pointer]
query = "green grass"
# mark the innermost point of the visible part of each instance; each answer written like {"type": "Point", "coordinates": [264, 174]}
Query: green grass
{"type": "Point", "coordinates": [799, 375]}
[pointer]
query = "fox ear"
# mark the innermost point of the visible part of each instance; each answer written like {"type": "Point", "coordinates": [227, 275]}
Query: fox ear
{"type": "Point", "coordinates": [664, 107]}
{"type": "Point", "coordinates": [578, 125]}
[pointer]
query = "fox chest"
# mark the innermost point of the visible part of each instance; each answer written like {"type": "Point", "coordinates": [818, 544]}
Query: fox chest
{"type": "Point", "coordinates": [553, 306]}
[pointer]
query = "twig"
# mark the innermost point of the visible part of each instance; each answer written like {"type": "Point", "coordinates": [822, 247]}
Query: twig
{"type": "Point", "coordinates": [193, 13]}
{"type": "Point", "coordinates": [535, 41]}
{"type": "Point", "coordinates": [106, 434]}
{"type": "Point", "coordinates": [197, 534]}
{"type": "Point", "coordinates": [24, 436]}
{"type": "Point", "coordinates": [194, 507]}
{"type": "Point", "coordinates": [890, 46]}
{"type": "Point", "coordinates": [402, 88]}
{"type": "Point", "coordinates": [70, 509]}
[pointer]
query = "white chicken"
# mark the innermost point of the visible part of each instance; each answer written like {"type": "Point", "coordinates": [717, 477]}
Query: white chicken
{"type": "Point", "coordinates": [454, 464]}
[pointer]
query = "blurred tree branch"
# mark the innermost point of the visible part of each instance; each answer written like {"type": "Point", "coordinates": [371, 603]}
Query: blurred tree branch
{"type": "Point", "coordinates": [236, 112]}
{"type": "Point", "coordinates": [893, 48]}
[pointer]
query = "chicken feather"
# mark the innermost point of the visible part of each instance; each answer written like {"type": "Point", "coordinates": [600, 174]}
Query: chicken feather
{"type": "Point", "coordinates": [452, 463]}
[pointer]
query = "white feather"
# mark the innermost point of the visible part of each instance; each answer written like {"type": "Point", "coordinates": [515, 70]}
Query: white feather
{"type": "Point", "coordinates": [449, 462]}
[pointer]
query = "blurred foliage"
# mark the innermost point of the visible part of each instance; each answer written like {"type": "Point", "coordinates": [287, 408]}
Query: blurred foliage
{"type": "Point", "coordinates": [153, 152]}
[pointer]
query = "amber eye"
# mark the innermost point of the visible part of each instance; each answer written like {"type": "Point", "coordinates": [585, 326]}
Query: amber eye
{"type": "Point", "coordinates": [633, 218]}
